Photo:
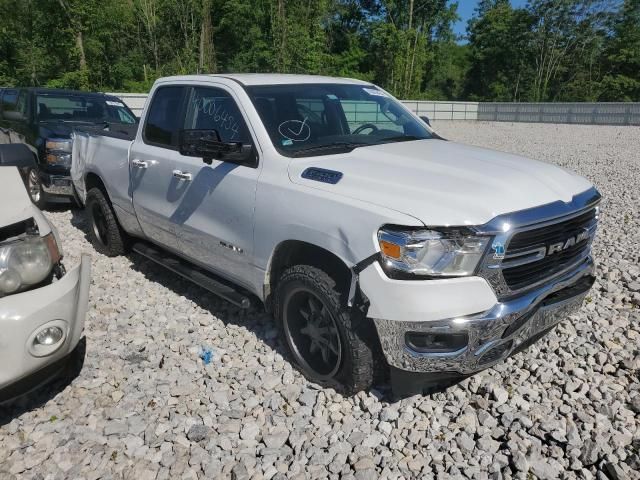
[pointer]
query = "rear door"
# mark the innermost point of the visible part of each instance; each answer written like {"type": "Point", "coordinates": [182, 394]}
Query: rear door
{"type": "Point", "coordinates": [215, 215]}
{"type": "Point", "coordinates": [152, 160]}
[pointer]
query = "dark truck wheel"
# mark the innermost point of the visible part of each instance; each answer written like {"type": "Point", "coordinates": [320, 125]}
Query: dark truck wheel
{"type": "Point", "coordinates": [104, 231]}
{"type": "Point", "coordinates": [320, 331]}
{"type": "Point", "coordinates": [34, 187]}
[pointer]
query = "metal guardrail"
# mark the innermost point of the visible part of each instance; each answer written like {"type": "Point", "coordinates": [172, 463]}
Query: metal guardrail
{"type": "Point", "coordinates": [135, 101]}
{"type": "Point", "coordinates": [576, 113]}
{"type": "Point", "coordinates": [444, 110]}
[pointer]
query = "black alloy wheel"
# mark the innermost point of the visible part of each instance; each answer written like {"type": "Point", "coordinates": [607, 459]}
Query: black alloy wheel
{"type": "Point", "coordinates": [330, 344]}
{"type": "Point", "coordinates": [312, 333]}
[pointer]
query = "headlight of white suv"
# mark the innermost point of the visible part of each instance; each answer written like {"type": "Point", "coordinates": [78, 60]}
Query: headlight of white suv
{"type": "Point", "coordinates": [430, 253]}
{"type": "Point", "coordinates": [26, 262]}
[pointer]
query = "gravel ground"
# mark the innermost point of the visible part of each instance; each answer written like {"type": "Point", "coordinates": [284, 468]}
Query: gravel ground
{"type": "Point", "coordinates": [146, 406]}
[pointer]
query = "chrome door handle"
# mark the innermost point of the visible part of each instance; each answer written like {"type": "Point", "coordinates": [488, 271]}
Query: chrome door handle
{"type": "Point", "coordinates": [182, 175]}
{"type": "Point", "coordinates": [139, 163]}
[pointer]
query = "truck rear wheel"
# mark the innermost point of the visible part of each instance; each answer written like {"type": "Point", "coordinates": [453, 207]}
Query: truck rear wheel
{"type": "Point", "coordinates": [321, 332]}
{"type": "Point", "coordinates": [104, 231]}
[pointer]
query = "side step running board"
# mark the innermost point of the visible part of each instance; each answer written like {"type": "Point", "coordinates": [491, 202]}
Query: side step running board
{"type": "Point", "coordinates": [206, 280]}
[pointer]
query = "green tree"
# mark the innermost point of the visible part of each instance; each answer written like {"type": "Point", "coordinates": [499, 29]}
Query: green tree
{"type": "Point", "coordinates": [564, 34]}
{"type": "Point", "coordinates": [622, 57]}
{"type": "Point", "coordinates": [403, 38]}
{"type": "Point", "coordinates": [499, 52]}
{"type": "Point", "coordinates": [549, 50]}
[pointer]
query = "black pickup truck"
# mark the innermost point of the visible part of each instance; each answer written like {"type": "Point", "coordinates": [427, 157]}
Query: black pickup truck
{"type": "Point", "coordinates": [44, 120]}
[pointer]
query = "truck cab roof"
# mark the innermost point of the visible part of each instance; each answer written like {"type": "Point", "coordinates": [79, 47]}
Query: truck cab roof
{"type": "Point", "coordinates": [62, 91]}
{"type": "Point", "coordinates": [251, 79]}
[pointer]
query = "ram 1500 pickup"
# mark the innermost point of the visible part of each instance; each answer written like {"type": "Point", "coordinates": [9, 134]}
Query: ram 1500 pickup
{"type": "Point", "coordinates": [376, 244]}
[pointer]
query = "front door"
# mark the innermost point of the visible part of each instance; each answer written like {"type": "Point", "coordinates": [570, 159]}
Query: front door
{"type": "Point", "coordinates": [215, 214]}
{"type": "Point", "coordinates": [156, 191]}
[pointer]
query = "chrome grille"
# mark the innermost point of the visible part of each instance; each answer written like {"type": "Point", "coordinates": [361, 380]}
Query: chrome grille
{"type": "Point", "coordinates": [526, 260]}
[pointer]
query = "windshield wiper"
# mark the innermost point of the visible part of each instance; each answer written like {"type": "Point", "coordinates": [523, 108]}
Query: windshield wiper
{"type": "Point", "coordinates": [335, 147]}
{"type": "Point", "coordinates": [402, 138]}
{"type": "Point", "coordinates": [83, 122]}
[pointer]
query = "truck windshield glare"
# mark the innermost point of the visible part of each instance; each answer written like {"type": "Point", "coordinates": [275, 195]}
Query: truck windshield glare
{"type": "Point", "coordinates": [325, 119]}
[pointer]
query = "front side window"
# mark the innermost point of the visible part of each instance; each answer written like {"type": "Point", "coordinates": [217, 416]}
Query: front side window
{"type": "Point", "coordinates": [54, 107]}
{"type": "Point", "coordinates": [321, 119]}
{"type": "Point", "coordinates": [215, 109]}
{"type": "Point", "coordinates": [163, 123]}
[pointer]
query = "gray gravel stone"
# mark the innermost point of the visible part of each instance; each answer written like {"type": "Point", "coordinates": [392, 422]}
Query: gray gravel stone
{"type": "Point", "coordinates": [198, 433]}
{"type": "Point", "coordinates": [276, 438]}
{"type": "Point", "coordinates": [520, 462]}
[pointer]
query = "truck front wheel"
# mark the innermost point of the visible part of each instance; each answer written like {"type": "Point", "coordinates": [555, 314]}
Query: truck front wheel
{"type": "Point", "coordinates": [104, 232]}
{"type": "Point", "coordinates": [34, 187]}
{"type": "Point", "coordinates": [321, 332]}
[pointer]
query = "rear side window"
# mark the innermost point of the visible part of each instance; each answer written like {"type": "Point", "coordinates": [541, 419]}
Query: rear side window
{"type": "Point", "coordinates": [164, 120]}
{"type": "Point", "coordinates": [9, 100]}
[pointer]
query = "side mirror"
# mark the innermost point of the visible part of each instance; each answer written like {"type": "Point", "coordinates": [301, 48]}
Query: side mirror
{"type": "Point", "coordinates": [14, 116]}
{"type": "Point", "coordinates": [425, 119]}
{"type": "Point", "coordinates": [208, 145]}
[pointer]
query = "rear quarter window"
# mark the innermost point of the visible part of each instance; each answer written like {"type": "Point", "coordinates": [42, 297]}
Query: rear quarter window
{"type": "Point", "coordinates": [9, 100]}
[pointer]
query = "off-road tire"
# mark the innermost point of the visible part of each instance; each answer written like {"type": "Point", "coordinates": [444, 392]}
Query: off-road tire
{"type": "Point", "coordinates": [114, 241]}
{"type": "Point", "coordinates": [356, 371]}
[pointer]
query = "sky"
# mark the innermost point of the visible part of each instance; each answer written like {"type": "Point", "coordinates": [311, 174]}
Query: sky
{"type": "Point", "coordinates": [466, 9]}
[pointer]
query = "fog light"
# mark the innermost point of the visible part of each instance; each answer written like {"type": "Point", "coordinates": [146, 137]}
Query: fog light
{"type": "Point", "coordinates": [436, 342]}
{"type": "Point", "coordinates": [49, 336]}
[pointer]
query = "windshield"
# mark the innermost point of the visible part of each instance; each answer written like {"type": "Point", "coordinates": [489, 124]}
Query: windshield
{"type": "Point", "coordinates": [78, 108]}
{"type": "Point", "coordinates": [322, 119]}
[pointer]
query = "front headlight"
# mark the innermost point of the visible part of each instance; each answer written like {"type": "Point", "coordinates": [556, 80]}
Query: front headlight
{"type": "Point", "coordinates": [26, 262]}
{"type": "Point", "coordinates": [59, 144]}
{"type": "Point", "coordinates": [430, 253]}
{"type": "Point", "coordinates": [58, 151]}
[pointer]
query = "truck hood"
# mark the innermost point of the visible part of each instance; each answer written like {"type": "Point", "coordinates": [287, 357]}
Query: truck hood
{"type": "Point", "coordinates": [15, 204]}
{"type": "Point", "coordinates": [55, 130]}
{"type": "Point", "coordinates": [443, 183]}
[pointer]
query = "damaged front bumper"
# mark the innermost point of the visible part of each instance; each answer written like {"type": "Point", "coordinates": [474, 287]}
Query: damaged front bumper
{"type": "Point", "coordinates": [467, 344]}
{"type": "Point", "coordinates": [57, 185]}
{"type": "Point", "coordinates": [61, 304]}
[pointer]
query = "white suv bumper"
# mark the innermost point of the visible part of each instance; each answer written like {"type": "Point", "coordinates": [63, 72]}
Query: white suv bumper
{"type": "Point", "coordinates": [63, 303]}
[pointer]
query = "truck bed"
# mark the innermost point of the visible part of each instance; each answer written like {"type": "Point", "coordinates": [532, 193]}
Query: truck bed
{"type": "Point", "coordinates": [123, 131]}
{"type": "Point", "coordinates": [104, 152]}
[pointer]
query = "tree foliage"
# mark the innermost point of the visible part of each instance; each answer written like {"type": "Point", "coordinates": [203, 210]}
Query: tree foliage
{"type": "Point", "coordinates": [554, 50]}
{"type": "Point", "coordinates": [549, 50]}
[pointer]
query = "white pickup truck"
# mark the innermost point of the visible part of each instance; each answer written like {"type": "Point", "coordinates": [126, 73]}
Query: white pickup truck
{"type": "Point", "coordinates": [377, 245]}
